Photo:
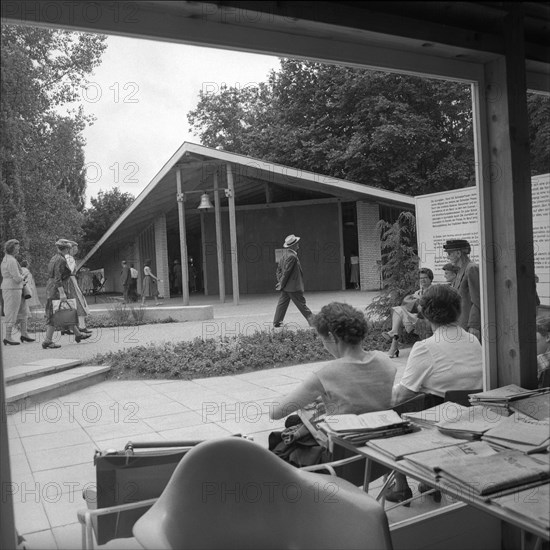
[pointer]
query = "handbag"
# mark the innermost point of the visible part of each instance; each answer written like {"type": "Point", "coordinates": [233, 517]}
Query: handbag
{"type": "Point", "coordinates": [64, 313]}
{"type": "Point", "coordinates": [26, 292]}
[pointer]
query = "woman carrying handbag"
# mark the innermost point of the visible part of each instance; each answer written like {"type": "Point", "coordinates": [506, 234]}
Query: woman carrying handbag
{"type": "Point", "coordinates": [75, 292]}
{"type": "Point", "coordinates": [56, 289]}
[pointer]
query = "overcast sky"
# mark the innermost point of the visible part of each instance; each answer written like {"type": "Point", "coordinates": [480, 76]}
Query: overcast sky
{"type": "Point", "coordinates": [141, 94]}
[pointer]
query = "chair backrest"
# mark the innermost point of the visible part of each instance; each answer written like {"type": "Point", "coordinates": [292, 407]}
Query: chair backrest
{"type": "Point", "coordinates": [415, 404]}
{"type": "Point", "coordinates": [460, 396]}
{"type": "Point", "coordinates": [233, 493]}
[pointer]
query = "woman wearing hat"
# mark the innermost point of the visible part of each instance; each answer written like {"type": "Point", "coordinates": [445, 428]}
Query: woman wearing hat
{"type": "Point", "coordinates": [59, 274]}
{"type": "Point", "coordinates": [15, 307]}
{"type": "Point", "coordinates": [467, 284]}
{"type": "Point", "coordinates": [75, 292]}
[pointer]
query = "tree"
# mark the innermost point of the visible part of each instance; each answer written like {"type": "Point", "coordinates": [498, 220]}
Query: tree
{"type": "Point", "coordinates": [41, 144]}
{"type": "Point", "coordinates": [400, 263]}
{"type": "Point", "coordinates": [538, 107]}
{"type": "Point", "coordinates": [407, 134]}
{"type": "Point", "coordinates": [105, 210]}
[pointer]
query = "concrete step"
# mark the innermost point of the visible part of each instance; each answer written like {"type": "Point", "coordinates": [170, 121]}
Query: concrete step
{"type": "Point", "coordinates": [43, 367]}
{"type": "Point", "coordinates": [51, 386]}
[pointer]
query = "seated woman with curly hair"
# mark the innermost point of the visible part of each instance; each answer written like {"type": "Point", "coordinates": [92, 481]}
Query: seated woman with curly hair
{"type": "Point", "coordinates": [358, 381]}
{"type": "Point", "coordinates": [451, 359]}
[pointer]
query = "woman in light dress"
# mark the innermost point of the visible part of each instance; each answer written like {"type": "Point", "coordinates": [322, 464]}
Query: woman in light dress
{"type": "Point", "coordinates": [82, 308]}
{"type": "Point", "coordinates": [150, 286]}
{"type": "Point", "coordinates": [33, 302]}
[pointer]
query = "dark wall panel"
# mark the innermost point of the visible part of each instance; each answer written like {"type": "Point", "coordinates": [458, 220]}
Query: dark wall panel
{"type": "Point", "coordinates": [260, 232]}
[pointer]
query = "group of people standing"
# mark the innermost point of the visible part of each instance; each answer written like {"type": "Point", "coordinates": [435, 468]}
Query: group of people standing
{"type": "Point", "coordinates": [61, 286]}
{"type": "Point", "coordinates": [129, 278]}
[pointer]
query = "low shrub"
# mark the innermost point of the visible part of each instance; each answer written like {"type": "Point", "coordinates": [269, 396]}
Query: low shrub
{"type": "Point", "coordinates": [117, 317]}
{"type": "Point", "coordinates": [199, 358]}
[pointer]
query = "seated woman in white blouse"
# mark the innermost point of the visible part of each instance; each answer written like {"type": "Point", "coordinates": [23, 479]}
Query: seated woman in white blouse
{"type": "Point", "coordinates": [357, 381]}
{"type": "Point", "coordinates": [451, 359]}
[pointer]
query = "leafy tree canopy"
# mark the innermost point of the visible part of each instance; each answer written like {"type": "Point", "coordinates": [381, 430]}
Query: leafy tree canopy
{"type": "Point", "coordinates": [403, 133]}
{"type": "Point", "coordinates": [538, 107]}
{"type": "Point", "coordinates": [105, 210]}
{"type": "Point", "coordinates": [41, 143]}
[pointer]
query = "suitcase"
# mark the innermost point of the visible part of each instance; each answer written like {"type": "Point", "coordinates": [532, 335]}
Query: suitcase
{"type": "Point", "coordinates": [140, 472]}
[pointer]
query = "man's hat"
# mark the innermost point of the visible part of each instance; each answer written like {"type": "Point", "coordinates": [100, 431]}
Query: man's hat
{"type": "Point", "coordinates": [290, 241]}
{"type": "Point", "coordinates": [63, 243]}
{"type": "Point", "coordinates": [457, 244]}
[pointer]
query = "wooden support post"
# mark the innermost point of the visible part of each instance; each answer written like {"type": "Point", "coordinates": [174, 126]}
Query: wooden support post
{"type": "Point", "coordinates": [233, 235]}
{"type": "Point", "coordinates": [219, 241]}
{"type": "Point", "coordinates": [203, 254]}
{"type": "Point", "coordinates": [507, 174]}
{"type": "Point", "coordinates": [341, 246]}
{"type": "Point", "coordinates": [183, 240]}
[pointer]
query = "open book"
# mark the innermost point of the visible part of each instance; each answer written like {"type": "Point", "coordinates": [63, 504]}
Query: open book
{"type": "Point", "coordinates": [484, 475]}
{"type": "Point", "coordinates": [363, 422]}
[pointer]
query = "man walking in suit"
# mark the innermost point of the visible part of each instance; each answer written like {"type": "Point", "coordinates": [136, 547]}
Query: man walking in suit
{"type": "Point", "coordinates": [125, 280]}
{"type": "Point", "coordinates": [290, 282]}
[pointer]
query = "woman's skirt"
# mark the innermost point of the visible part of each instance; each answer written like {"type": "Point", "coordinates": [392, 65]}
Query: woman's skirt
{"type": "Point", "coordinates": [354, 274]}
{"type": "Point", "coordinates": [82, 308]}
{"type": "Point", "coordinates": [15, 306]}
{"type": "Point", "coordinates": [409, 319]}
{"type": "Point", "coordinates": [150, 287]}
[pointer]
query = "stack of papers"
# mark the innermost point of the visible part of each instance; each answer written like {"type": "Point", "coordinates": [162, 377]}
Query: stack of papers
{"type": "Point", "coordinates": [536, 406]}
{"type": "Point", "coordinates": [471, 423]}
{"type": "Point", "coordinates": [485, 475]}
{"type": "Point", "coordinates": [440, 413]}
{"type": "Point", "coordinates": [360, 428]}
{"type": "Point", "coordinates": [500, 398]}
{"type": "Point", "coordinates": [429, 462]}
{"type": "Point", "coordinates": [519, 432]}
{"type": "Point", "coordinates": [398, 447]}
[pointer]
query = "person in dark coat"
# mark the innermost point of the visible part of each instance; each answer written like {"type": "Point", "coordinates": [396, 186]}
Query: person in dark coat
{"type": "Point", "coordinates": [467, 285]}
{"type": "Point", "coordinates": [290, 282]}
{"type": "Point", "coordinates": [125, 280]}
{"type": "Point", "coordinates": [57, 287]}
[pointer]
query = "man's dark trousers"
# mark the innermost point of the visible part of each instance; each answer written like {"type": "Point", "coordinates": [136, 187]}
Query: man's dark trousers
{"type": "Point", "coordinates": [282, 305]}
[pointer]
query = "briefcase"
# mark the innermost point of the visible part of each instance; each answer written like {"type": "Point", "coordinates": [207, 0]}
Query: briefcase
{"type": "Point", "coordinates": [129, 476]}
{"type": "Point", "coordinates": [64, 313]}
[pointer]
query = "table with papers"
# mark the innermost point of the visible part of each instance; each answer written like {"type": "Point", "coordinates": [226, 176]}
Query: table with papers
{"type": "Point", "coordinates": [525, 505]}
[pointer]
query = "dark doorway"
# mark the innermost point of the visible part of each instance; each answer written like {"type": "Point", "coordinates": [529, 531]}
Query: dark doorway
{"type": "Point", "coordinates": [351, 239]}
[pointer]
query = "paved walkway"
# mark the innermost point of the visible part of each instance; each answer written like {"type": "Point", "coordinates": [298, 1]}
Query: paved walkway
{"type": "Point", "coordinates": [52, 443]}
{"type": "Point", "coordinates": [255, 312]}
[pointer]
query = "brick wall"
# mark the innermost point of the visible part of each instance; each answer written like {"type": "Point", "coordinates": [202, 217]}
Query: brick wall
{"type": "Point", "coordinates": [369, 245]}
{"type": "Point", "coordinates": [161, 250]}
